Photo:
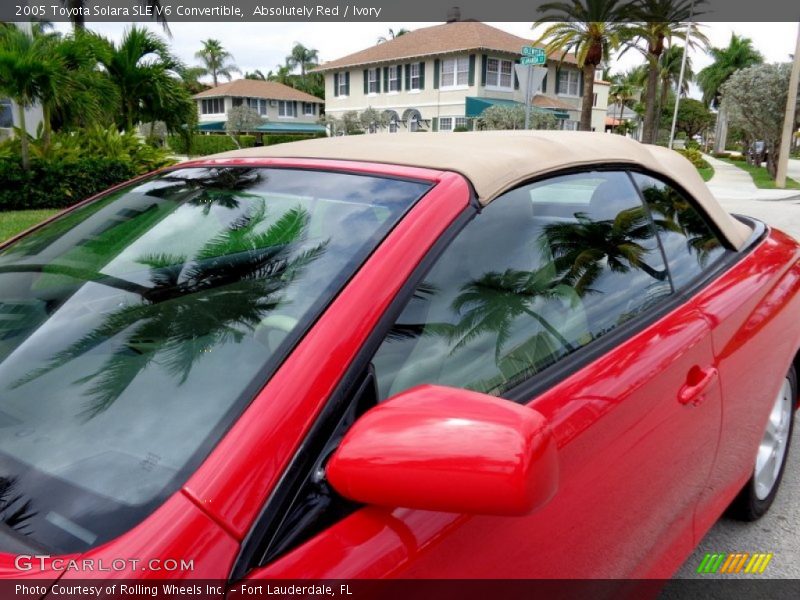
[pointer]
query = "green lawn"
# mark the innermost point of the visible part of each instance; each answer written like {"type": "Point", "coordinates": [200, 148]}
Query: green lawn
{"type": "Point", "coordinates": [706, 173]}
{"type": "Point", "coordinates": [760, 175]}
{"type": "Point", "coordinates": [12, 222]}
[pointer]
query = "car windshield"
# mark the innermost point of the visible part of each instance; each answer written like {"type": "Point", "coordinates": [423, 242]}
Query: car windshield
{"type": "Point", "coordinates": [136, 328]}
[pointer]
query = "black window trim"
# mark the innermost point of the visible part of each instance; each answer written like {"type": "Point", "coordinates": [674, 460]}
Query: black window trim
{"type": "Point", "coordinates": [269, 518]}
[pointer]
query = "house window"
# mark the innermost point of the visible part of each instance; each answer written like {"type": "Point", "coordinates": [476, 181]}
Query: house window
{"type": "Point", "coordinates": [568, 82]}
{"type": "Point", "coordinates": [451, 123]}
{"type": "Point", "coordinates": [6, 115]}
{"type": "Point", "coordinates": [570, 125]}
{"type": "Point", "coordinates": [415, 80]}
{"type": "Point", "coordinates": [258, 104]}
{"type": "Point", "coordinates": [499, 73]}
{"type": "Point", "coordinates": [308, 109]}
{"type": "Point", "coordinates": [287, 108]}
{"type": "Point", "coordinates": [393, 128]}
{"type": "Point", "coordinates": [394, 79]}
{"type": "Point", "coordinates": [212, 106]}
{"type": "Point", "coordinates": [342, 91]}
{"type": "Point", "coordinates": [372, 81]}
{"type": "Point", "coordinates": [594, 99]}
{"type": "Point", "coordinates": [455, 72]}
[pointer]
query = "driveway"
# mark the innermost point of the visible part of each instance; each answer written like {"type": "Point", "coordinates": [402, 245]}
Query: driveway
{"type": "Point", "coordinates": [779, 531]}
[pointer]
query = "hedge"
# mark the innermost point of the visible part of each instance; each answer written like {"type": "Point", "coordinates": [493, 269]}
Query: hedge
{"type": "Point", "coordinates": [271, 140]}
{"type": "Point", "coordinates": [695, 157]}
{"type": "Point", "coordinates": [53, 184]}
{"type": "Point", "coordinates": [203, 145]}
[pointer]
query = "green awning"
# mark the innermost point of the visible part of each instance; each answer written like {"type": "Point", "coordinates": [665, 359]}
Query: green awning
{"type": "Point", "coordinates": [211, 126]}
{"type": "Point", "coordinates": [269, 127]}
{"type": "Point", "coordinates": [296, 128]}
{"type": "Point", "coordinates": [475, 107]}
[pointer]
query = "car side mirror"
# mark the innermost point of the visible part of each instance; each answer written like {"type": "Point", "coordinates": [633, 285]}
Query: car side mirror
{"type": "Point", "coordinates": [445, 449]}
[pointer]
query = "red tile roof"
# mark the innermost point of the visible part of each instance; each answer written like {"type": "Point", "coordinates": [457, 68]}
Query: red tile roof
{"type": "Point", "coordinates": [255, 88]}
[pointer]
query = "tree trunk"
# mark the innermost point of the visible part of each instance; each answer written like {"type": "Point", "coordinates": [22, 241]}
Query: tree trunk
{"type": "Point", "coordinates": [650, 128]}
{"type": "Point", "coordinates": [47, 127]}
{"type": "Point", "coordinates": [621, 110]}
{"type": "Point", "coordinates": [588, 97]}
{"type": "Point", "coordinates": [23, 138]}
{"type": "Point", "coordinates": [662, 100]}
{"type": "Point", "coordinates": [721, 130]}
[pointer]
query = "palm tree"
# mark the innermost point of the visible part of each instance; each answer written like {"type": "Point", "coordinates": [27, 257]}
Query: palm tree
{"type": "Point", "coordinates": [659, 22]}
{"type": "Point", "coordinates": [739, 54]}
{"type": "Point", "coordinates": [147, 77]}
{"type": "Point", "coordinates": [302, 57]}
{"type": "Point", "coordinates": [29, 73]}
{"type": "Point", "coordinates": [191, 78]}
{"type": "Point", "coordinates": [217, 61]}
{"type": "Point", "coordinates": [623, 92]}
{"type": "Point", "coordinates": [590, 29]}
{"type": "Point", "coordinates": [79, 21]}
{"type": "Point", "coordinates": [283, 75]}
{"type": "Point", "coordinates": [257, 75]}
{"type": "Point", "coordinates": [393, 34]}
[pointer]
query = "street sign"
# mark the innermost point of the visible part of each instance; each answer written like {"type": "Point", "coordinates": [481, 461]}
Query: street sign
{"type": "Point", "coordinates": [532, 60]}
{"type": "Point", "coordinates": [531, 55]}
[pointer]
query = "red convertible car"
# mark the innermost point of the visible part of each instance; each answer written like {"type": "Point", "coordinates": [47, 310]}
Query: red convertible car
{"type": "Point", "coordinates": [484, 355]}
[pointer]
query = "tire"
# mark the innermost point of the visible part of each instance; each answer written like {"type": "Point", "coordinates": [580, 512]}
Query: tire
{"type": "Point", "coordinates": [757, 495]}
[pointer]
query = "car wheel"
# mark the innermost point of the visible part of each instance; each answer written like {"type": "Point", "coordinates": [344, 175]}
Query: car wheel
{"type": "Point", "coordinates": [758, 494]}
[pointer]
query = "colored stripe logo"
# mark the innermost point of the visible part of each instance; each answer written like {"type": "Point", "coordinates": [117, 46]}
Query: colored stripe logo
{"type": "Point", "coordinates": [734, 562]}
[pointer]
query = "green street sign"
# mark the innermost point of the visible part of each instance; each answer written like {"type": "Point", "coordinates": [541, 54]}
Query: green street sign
{"type": "Point", "coordinates": [532, 60]}
{"type": "Point", "coordinates": [531, 55]}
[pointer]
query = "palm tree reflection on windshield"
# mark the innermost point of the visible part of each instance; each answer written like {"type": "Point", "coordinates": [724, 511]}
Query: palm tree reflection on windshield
{"type": "Point", "coordinates": [582, 250]}
{"type": "Point", "coordinates": [218, 296]}
{"type": "Point", "coordinates": [15, 509]}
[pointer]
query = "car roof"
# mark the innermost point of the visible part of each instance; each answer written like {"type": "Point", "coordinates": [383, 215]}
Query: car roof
{"type": "Point", "coordinates": [497, 161]}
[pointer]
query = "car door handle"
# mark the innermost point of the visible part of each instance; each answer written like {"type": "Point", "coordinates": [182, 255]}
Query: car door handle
{"type": "Point", "coordinates": [698, 380]}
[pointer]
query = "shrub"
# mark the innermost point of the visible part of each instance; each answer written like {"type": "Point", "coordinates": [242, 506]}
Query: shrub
{"type": "Point", "coordinates": [271, 140]}
{"type": "Point", "coordinates": [692, 145]}
{"type": "Point", "coordinates": [737, 157]}
{"type": "Point", "coordinates": [57, 184]}
{"type": "Point", "coordinates": [695, 157]}
{"type": "Point", "coordinates": [203, 145]}
{"type": "Point", "coordinates": [722, 154]}
{"type": "Point", "coordinates": [460, 129]}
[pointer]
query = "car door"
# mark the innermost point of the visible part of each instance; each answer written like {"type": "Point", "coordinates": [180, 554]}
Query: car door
{"type": "Point", "coordinates": [556, 295]}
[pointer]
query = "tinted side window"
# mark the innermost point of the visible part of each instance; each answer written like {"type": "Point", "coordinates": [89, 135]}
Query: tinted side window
{"type": "Point", "coordinates": [690, 244]}
{"type": "Point", "coordinates": [541, 272]}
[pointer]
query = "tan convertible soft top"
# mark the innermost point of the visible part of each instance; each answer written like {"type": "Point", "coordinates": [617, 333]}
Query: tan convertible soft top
{"type": "Point", "coordinates": [495, 161]}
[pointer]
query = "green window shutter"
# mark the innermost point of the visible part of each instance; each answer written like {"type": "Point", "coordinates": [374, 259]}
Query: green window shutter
{"type": "Point", "coordinates": [436, 66]}
{"type": "Point", "coordinates": [366, 88]}
{"type": "Point", "coordinates": [378, 79]}
{"type": "Point", "coordinates": [558, 76]}
{"type": "Point", "coordinates": [516, 81]}
{"type": "Point", "coordinates": [385, 79]}
{"type": "Point", "coordinates": [422, 75]}
{"type": "Point", "coordinates": [484, 65]}
{"type": "Point", "coordinates": [295, 108]}
{"type": "Point", "coordinates": [408, 77]}
{"type": "Point", "coordinates": [347, 83]}
{"type": "Point", "coordinates": [544, 84]}
{"type": "Point", "coordinates": [471, 77]}
{"type": "Point", "coordinates": [580, 84]}
{"type": "Point", "coordinates": [435, 124]}
{"type": "Point", "coordinates": [335, 84]}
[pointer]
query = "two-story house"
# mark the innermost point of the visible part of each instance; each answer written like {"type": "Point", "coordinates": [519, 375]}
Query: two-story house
{"type": "Point", "coordinates": [443, 77]}
{"type": "Point", "coordinates": [285, 109]}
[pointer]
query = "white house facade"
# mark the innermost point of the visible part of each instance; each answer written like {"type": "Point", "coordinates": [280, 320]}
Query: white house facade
{"type": "Point", "coordinates": [443, 77]}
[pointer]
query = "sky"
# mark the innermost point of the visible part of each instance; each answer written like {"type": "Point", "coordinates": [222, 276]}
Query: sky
{"type": "Point", "coordinates": [265, 45]}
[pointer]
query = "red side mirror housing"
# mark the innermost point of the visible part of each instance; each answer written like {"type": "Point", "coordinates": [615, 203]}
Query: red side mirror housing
{"type": "Point", "coordinates": [445, 449]}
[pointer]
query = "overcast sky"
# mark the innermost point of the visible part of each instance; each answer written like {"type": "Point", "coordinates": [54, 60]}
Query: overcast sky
{"type": "Point", "coordinates": [265, 45]}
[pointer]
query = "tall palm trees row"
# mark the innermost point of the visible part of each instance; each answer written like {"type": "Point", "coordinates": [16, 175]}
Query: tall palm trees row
{"type": "Point", "coordinates": [84, 79]}
{"type": "Point", "coordinates": [592, 29]}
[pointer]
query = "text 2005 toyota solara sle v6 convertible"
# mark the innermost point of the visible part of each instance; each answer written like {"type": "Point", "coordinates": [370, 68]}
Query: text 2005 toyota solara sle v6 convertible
{"type": "Point", "coordinates": [478, 355]}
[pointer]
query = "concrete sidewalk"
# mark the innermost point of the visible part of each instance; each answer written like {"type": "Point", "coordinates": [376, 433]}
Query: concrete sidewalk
{"type": "Point", "coordinates": [732, 183]}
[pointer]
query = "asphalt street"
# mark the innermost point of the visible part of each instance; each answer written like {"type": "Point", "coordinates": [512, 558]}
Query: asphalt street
{"type": "Point", "coordinates": [779, 530]}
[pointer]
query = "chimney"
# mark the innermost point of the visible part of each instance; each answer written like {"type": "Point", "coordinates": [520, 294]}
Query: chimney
{"type": "Point", "coordinates": [454, 14]}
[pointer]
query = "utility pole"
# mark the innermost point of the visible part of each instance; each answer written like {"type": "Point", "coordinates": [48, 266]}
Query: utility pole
{"type": "Point", "coordinates": [788, 117]}
{"type": "Point", "coordinates": [687, 41]}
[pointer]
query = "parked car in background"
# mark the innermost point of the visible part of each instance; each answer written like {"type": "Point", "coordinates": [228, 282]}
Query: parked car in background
{"type": "Point", "coordinates": [757, 153]}
{"type": "Point", "coordinates": [494, 355]}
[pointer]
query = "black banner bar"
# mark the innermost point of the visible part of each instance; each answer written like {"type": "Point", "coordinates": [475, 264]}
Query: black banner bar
{"type": "Point", "coordinates": [176, 11]}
